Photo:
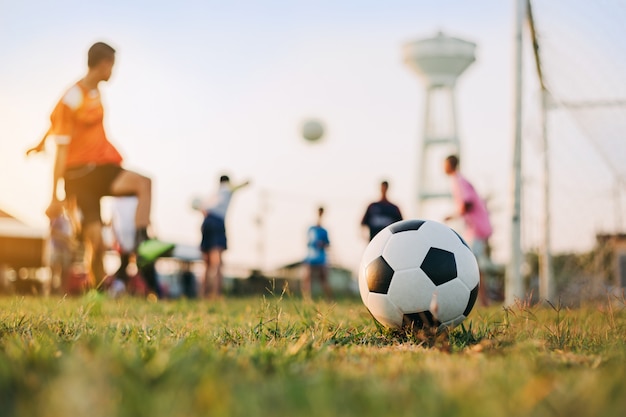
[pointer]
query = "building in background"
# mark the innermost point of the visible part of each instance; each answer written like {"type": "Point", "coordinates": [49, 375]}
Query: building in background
{"type": "Point", "coordinates": [23, 256]}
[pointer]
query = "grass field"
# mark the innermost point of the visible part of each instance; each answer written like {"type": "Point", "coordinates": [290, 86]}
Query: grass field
{"type": "Point", "coordinates": [281, 356]}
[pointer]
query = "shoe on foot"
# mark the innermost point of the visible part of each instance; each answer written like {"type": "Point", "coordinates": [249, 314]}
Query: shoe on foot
{"type": "Point", "coordinates": [152, 249]}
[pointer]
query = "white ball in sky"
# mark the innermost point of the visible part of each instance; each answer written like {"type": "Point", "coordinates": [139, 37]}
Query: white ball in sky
{"type": "Point", "coordinates": [312, 130]}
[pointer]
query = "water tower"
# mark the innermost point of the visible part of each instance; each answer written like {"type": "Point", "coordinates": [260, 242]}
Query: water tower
{"type": "Point", "coordinates": [439, 61]}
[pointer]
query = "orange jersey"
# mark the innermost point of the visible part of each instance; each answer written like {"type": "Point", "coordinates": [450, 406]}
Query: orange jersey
{"type": "Point", "coordinates": [77, 122]}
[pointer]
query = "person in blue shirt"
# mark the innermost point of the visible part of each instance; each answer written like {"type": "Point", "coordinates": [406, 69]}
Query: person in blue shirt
{"type": "Point", "coordinates": [316, 261]}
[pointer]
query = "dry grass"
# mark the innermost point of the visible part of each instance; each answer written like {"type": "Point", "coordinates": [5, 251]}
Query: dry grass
{"type": "Point", "coordinates": [282, 356]}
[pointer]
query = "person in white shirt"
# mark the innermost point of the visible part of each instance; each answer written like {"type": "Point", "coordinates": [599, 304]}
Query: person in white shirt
{"type": "Point", "coordinates": [214, 242]}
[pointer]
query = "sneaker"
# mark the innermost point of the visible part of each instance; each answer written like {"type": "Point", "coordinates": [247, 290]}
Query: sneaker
{"type": "Point", "coordinates": [150, 250]}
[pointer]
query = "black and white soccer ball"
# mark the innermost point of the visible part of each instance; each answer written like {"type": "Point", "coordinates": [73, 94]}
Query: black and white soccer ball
{"type": "Point", "coordinates": [418, 273]}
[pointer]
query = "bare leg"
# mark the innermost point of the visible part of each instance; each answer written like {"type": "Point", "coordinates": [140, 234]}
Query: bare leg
{"type": "Point", "coordinates": [306, 283]}
{"type": "Point", "coordinates": [56, 281]}
{"type": "Point", "coordinates": [215, 271]}
{"type": "Point", "coordinates": [132, 183]}
{"type": "Point", "coordinates": [93, 238]}
{"type": "Point", "coordinates": [60, 269]}
{"type": "Point", "coordinates": [328, 293]}
{"type": "Point", "coordinates": [65, 272]}
{"type": "Point", "coordinates": [206, 284]}
{"type": "Point", "coordinates": [121, 272]}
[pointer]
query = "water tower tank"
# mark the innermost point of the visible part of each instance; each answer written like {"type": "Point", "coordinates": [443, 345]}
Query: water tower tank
{"type": "Point", "coordinates": [439, 61]}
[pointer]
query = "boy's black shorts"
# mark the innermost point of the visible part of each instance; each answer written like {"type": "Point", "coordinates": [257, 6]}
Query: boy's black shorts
{"type": "Point", "coordinates": [88, 184]}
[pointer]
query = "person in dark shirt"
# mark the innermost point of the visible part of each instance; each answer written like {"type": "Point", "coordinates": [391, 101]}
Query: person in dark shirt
{"type": "Point", "coordinates": [380, 214]}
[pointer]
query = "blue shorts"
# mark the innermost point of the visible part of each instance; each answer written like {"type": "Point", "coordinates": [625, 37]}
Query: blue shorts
{"type": "Point", "coordinates": [213, 233]}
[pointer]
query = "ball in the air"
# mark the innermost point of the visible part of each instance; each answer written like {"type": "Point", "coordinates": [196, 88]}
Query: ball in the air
{"type": "Point", "coordinates": [196, 203]}
{"type": "Point", "coordinates": [312, 130]}
{"type": "Point", "coordinates": [419, 274]}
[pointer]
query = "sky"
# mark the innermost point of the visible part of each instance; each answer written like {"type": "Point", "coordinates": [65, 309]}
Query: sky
{"type": "Point", "coordinates": [202, 88]}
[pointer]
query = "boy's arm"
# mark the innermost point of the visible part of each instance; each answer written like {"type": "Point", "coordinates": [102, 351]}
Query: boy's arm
{"type": "Point", "coordinates": [57, 174]}
{"type": "Point", "coordinates": [59, 168]}
{"type": "Point", "coordinates": [41, 145]}
{"type": "Point", "coordinates": [237, 187]}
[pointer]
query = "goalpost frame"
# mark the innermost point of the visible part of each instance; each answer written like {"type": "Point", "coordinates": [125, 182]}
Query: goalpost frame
{"type": "Point", "coordinates": [513, 289]}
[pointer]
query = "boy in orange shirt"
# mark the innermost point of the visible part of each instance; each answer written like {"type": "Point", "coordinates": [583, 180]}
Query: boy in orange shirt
{"type": "Point", "coordinates": [89, 164]}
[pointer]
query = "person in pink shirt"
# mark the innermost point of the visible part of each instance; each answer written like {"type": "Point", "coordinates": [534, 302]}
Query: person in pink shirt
{"type": "Point", "coordinates": [472, 209]}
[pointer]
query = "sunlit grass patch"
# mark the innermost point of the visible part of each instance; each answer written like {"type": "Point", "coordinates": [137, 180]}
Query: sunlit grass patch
{"type": "Point", "coordinates": [279, 355]}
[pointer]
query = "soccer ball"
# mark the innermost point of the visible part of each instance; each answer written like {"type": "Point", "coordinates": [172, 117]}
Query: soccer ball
{"type": "Point", "coordinates": [418, 273]}
{"type": "Point", "coordinates": [312, 130]}
{"type": "Point", "coordinates": [196, 203]}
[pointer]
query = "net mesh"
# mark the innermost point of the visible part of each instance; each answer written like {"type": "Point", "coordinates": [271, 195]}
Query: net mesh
{"type": "Point", "coordinates": [582, 52]}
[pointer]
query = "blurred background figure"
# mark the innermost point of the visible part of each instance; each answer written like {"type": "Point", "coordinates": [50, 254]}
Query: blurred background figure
{"type": "Point", "coordinates": [213, 242]}
{"type": "Point", "coordinates": [473, 210]}
{"type": "Point", "coordinates": [61, 248]}
{"type": "Point", "coordinates": [316, 260]}
{"type": "Point", "coordinates": [188, 280]}
{"type": "Point", "coordinates": [381, 213]}
{"type": "Point", "coordinates": [137, 273]}
{"type": "Point", "coordinates": [124, 230]}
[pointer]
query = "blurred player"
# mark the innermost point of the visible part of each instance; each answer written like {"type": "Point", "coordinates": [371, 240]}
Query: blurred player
{"type": "Point", "coordinates": [381, 213]}
{"type": "Point", "coordinates": [472, 209]}
{"type": "Point", "coordinates": [61, 247]}
{"type": "Point", "coordinates": [316, 259]}
{"type": "Point", "coordinates": [122, 223]}
{"type": "Point", "coordinates": [213, 242]}
{"type": "Point", "coordinates": [124, 230]}
{"type": "Point", "coordinates": [87, 162]}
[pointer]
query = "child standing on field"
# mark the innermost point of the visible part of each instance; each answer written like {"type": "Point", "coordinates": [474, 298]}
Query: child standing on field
{"type": "Point", "coordinates": [316, 260]}
{"type": "Point", "coordinates": [61, 238]}
{"type": "Point", "coordinates": [213, 242]}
